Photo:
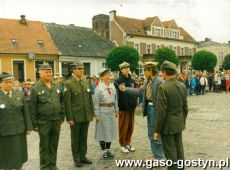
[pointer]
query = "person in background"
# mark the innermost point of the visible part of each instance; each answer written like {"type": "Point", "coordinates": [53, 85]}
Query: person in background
{"type": "Point", "coordinates": [15, 124]}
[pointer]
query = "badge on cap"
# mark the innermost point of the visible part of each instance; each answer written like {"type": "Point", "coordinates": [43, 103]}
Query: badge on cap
{"type": "Point", "coordinates": [58, 91]}
{"type": "Point", "coordinates": [43, 92]}
{"type": "Point", "coordinates": [39, 93]}
{"type": "Point", "coordinates": [88, 90]}
{"type": "Point", "coordinates": [2, 106]}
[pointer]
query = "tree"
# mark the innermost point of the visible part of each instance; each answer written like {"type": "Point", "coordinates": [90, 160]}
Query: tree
{"type": "Point", "coordinates": [226, 62]}
{"type": "Point", "coordinates": [120, 54]}
{"type": "Point", "coordinates": [165, 53]}
{"type": "Point", "coordinates": [204, 60]}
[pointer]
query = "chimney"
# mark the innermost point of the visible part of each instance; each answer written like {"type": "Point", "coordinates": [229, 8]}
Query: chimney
{"type": "Point", "coordinates": [207, 39]}
{"type": "Point", "coordinates": [23, 19]}
{"type": "Point", "coordinates": [112, 15]}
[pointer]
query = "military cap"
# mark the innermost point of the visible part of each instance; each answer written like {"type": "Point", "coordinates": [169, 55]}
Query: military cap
{"type": "Point", "coordinates": [103, 71]}
{"type": "Point", "coordinates": [6, 76]}
{"type": "Point", "coordinates": [168, 65]}
{"type": "Point", "coordinates": [78, 65]}
{"type": "Point", "coordinates": [150, 64]}
{"type": "Point", "coordinates": [45, 67]}
{"type": "Point", "coordinates": [123, 65]}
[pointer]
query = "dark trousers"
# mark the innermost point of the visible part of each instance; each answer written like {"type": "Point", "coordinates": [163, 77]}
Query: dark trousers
{"type": "Point", "coordinates": [49, 131]}
{"type": "Point", "coordinates": [105, 145]}
{"type": "Point", "coordinates": [79, 134]}
{"type": "Point", "coordinates": [126, 125]}
{"type": "Point", "coordinates": [173, 148]}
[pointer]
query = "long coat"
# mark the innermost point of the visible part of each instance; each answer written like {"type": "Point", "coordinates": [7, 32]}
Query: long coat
{"type": "Point", "coordinates": [15, 120]}
{"type": "Point", "coordinates": [78, 100]}
{"type": "Point", "coordinates": [106, 127]}
{"type": "Point", "coordinates": [171, 107]}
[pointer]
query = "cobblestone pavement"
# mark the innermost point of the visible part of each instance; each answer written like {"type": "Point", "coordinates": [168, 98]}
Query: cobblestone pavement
{"type": "Point", "coordinates": [207, 136]}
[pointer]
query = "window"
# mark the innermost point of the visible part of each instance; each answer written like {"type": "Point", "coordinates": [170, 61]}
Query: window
{"type": "Point", "coordinates": [221, 55]}
{"type": "Point", "coordinates": [41, 43]}
{"type": "Point", "coordinates": [190, 51]}
{"type": "Point", "coordinates": [158, 47]}
{"type": "Point", "coordinates": [157, 32]}
{"type": "Point", "coordinates": [182, 51]}
{"type": "Point", "coordinates": [174, 49]}
{"type": "Point", "coordinates": [96, 25]}
{"type": "Point", "coordinates": [103, 65]}
{"type": "Point", "coordinates": [148, 49]}
{"type": "Point", "coordinates": [136, 46]}
{"type": "Point", "coordinates": [14, 41]}
{"type": "Point", "coordinates": [174, 34]}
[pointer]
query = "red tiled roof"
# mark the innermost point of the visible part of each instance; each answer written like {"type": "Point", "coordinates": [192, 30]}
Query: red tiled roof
{"type": "Point", "coordinates": [138, 27]}
{"type": "Point", "coordinates": [26, 36]}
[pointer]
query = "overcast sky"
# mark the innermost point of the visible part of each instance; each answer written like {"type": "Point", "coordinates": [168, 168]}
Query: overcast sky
{"type": "Point", "coordinates": [201, 18]}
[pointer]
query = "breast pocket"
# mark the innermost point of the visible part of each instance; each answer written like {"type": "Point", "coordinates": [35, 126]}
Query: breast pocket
{"type": "Point", "coordinates": [43, 98]}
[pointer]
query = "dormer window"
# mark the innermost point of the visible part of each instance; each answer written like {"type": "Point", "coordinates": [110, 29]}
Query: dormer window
{"type": "Point", "coordinates": [14, 41]}
{"type": "Point", "coordinates": [41, 43]}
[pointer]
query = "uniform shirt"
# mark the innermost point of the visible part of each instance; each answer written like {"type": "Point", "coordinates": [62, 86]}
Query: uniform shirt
{"type": "Point", "coordinates": [6, 93]}
{"type": "Point", "coordinates": [149, 88]}
{"type": "Point", "coordinates": [103, 96]}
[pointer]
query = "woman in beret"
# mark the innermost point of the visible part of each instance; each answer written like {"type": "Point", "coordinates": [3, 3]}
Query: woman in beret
{"type": "Point", "coordinates": [106, 108]}
{"type": "Point", "coordinates": [15, 124]}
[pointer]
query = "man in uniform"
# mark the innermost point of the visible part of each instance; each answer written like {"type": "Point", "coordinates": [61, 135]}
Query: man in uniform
{"type": "Point", "coordinates": [79, 112]}
{"type": "Point", "coordinates": [47, 116]}
{"type": "Point", "coordinates": [171, 112]}
{"type": "Point", "coordinates": [127, 104]}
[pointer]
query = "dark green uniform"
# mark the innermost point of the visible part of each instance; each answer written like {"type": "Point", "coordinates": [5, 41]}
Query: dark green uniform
{"type": "Point", "coordinates": [47, 116]}
{"type": "Point", "coordinates": [15, 120]}
{"type": "Point", "coordinates": [172, 111]}
{"type": "Point", "coordinates": [79, 108]}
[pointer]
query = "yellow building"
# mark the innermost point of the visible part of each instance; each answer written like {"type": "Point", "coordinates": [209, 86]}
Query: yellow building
{"type": "Point", "coordinates": [24, 45]}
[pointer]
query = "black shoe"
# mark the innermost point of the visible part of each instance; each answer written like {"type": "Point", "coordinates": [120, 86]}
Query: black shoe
{"type": "Point", "coordinates": [110, 155]}
{"type": "Point", "coordinates": [105, 155]}
{"type": "Point", "coordinates": [86, 161]}
{"type": "Point", "coordinates": [78, 164]}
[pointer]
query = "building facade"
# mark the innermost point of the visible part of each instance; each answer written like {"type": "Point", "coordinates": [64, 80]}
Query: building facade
{"type": "Point", "coordinates": [24, 45]}
{"type": "Point", "coordinates": [148, 35]}
{"type": "Point", "coordinates": [220, 50]}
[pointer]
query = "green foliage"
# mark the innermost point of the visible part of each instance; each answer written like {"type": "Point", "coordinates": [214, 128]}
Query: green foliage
{"type": "Point", "coordinates": [204, 60]}
{"type": "Point", "coordinates": [165, 53]}
{"type": "Point", "coordinates": [226, 62]}
{"type": "Point", "coordinates": [120, 54]}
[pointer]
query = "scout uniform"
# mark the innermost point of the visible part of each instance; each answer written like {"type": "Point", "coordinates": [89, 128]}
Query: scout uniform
{"type": "Point", "coordinates": [171, 111]}
{"type": "Point", "coordinates": [15, 120]}
{"type": "Point", "coordinates": [106, 105]}
{"type": "Point", "coordinates": [47, 116]}
{"type": "Point", "coordinates": [80, 109]}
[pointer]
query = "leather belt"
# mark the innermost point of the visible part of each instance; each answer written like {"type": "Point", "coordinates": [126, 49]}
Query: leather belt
{"type": "Point", "coordinates": [106, 105]}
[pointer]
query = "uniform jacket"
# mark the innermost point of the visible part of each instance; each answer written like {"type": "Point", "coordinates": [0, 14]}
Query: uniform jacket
{"type": "Point", "coordinates": [126, 101]}
{"type": "Point", "coordinates": [78, 100]}
{"type": "Point", "coordinates": [14, 114]}
{"type": "Point", "coordinates": [171, 107]}
{"type": "Point", "coordinates": [102, 96]}
{"type": "Point", "coordinates": [46, 104]}
{"type": "Point", "coordinates": [155, 86]}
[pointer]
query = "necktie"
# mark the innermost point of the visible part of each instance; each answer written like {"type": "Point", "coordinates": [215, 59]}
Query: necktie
{"type": "Point", "coordinates": [109, 91]}
{"type": "Point", "coordinates": [8, 94]}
